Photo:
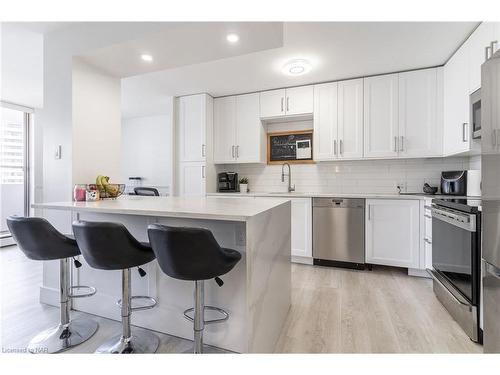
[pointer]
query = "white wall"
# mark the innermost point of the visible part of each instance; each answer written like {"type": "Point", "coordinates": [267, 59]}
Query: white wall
{"type": "Point", "coordinates": [96, 124]}
{"type": "Point", "coordinates": [147, 150]}
{"type": "Point", "coordinates": [21, 66]}
{"type": "Point", "coordinates": [363, 176]}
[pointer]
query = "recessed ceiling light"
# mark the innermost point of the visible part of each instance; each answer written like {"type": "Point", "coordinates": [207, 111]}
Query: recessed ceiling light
{"type": "Point", "coordinates": [232, 38]}
{"type": "Point", "coordinates": [296, 67]}
{"type": "Point", "coordinates": [147, 57]}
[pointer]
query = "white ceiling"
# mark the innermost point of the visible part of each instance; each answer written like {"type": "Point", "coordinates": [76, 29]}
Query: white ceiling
{"type": "Point", "coordinates": [337, 50]}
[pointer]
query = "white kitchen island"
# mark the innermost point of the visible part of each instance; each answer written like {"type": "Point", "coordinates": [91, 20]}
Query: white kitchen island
{"type": "Point", "coordinates": [256, 292]}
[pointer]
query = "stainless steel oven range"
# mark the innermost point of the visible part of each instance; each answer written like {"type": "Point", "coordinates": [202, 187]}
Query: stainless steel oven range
{"type": "Point", "coordinates": [456, 260]}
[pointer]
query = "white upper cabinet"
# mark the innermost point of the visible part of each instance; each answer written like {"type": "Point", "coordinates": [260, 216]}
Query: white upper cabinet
{"type": "Point", "coordinates": [192, 123]}
{"type": "Point", "coordinates": [477, 44]}
{"type": "Point", "coordinates": [299, 100]}
{"type": "Point", "coordinates": [239, 135]}
{"type": "Point", "coordinates": [250, 133]}
{"type": "Point", "coordinates": [419, 131]}
{"type": "Point", "coordinates": [381, 116]}
{"type": "Point", "coordinates": [224, 129]}
{"type": "Point", "coordinates": [325, 121]}
{"type": "Point", "coordinates": [272, 103]}
{"type": "Point", "coordinates": [456, 129]}
{"type": "Point", "coordinates": [350, 119]}
{"type": "Point", "coordinates": [290, 102]}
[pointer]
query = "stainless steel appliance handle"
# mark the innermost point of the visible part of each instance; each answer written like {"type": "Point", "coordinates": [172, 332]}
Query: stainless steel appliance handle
{"type": "Point", "coordinates": [435, 276]}
{"type": "Point", "coordinates": [464, 132]}
{"type": "Point", "coordinates": [487, 52]}
{"type": "Point", "coordinates": [455, 218]}
{"type": "Point", "coordinates": [282, 99]}
{"type": "Point", "coordinates": [334, 147]}
{"type": "Point", "coordinates": [492, 270]}
{"type": "Point", "coordinates": [402, 144]}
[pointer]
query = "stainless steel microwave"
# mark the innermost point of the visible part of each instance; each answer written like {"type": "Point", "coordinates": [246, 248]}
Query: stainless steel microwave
{"type": "Point", "coordinates": [475, 113]}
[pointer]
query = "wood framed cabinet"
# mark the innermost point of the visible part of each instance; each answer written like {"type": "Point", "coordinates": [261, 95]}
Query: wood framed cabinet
{"type": "Point", "coordinates": [338, 120]}
{"type": "Point", "coordinates": [239, 136]}
{"type": "Point", "coordinates": [295, 101]}
{"type": "Point", "coordinates": [393, 232]}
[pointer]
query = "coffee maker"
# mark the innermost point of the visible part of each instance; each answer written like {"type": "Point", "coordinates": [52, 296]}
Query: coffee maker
{"type": "Point", "coordinates": [228, 182]}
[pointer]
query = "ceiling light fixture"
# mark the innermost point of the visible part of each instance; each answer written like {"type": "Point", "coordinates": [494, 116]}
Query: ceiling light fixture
{"type": "Point", "coordinates": [296, 67]}
{"type": "Point", "coordinates": [232, 38]}
{"type": "Point", "coordinates": [147, 57]}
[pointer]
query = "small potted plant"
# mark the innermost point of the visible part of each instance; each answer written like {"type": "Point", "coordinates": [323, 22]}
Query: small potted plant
{"type": "Point", "coordinates": [243, 185]}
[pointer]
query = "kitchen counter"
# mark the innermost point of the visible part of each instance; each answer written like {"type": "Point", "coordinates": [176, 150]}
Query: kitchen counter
{"type": "Point", "coordinates": [417, 196]}
{"type": "Point", "coordinates": [256, 293]}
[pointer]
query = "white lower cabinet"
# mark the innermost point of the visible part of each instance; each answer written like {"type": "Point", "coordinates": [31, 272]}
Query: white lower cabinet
{"type": "Point", "coordinates": [301, 227]}
{"type": "Point", "coordinates": [192, 179]}
{"type": "Point", "coordinates": [393, 232]}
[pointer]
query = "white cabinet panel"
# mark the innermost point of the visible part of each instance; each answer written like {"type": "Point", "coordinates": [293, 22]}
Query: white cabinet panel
{"type": "Point", "coordinates": [302, 227]}
{"type": "Point", "coordinates": [381, 116]}
{"type": "Point", "coordinates": [272, 103]}
{"type": "Point", "coordinates": [325, 121]}
{"type": "Point", "coordinates": [192, 127]}
{"type": "Point", "coordinates": [419, 133]}
{"type": "Point", "coordinates": [350, 119]}
{"type": "Point", "coordinates": [192, 179]}
{"type": "Point", "coordinates": [250, 134]}
{"type": "Point", "coordinates": [299, 100]}
{"type": "Point", "coordinates": [477, 43]}
{"type": "Point", "coordinates": [224, 129]}
{"type": "Point", "coordinates": [456, 129]}
{"type": "Point", "coordinates": [393, 232]}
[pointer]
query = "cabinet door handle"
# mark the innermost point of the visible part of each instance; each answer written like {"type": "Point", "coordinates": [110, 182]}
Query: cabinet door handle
{"type": "Point", "coordinates": [428, 216]}
{"type": "Point", "coordinates": [493, 44]}
{"type": "Point", "coordinates": [395, 144]}
{"type": "Point", "coordinates": [334, 147]}
{"type": "Point", "coordinates": [237, 152]}
{"type": "Point", "coordinates": [487, 52]}
{"type": "Point", "coordinates": [464, 132]}
{"type": "Point", "coordinates": [427, 241]}
{"type": "Point", "coordinates": [287, 103]}
{"type": "Point", "coordinates": [202, 171]}
{"type": "Point", "coordinates": [232, 151]}
{"type": "Point", "coordinates": [341, 147]}
{"type": "Point", "coordinates": [203, 147]}
{"type": "Point", "coordinates": [369, 212]}
{"type": "Point", "coordinates": [282, 99]}
{"type": "Point", "coordinates": [402, 144]}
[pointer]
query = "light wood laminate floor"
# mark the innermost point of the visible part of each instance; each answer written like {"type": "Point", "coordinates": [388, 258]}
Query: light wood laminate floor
{"type": "Point", "coordinates": [333, 311]}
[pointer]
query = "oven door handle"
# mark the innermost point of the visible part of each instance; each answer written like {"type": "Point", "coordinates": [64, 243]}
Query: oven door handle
{"type": "Point", "coordinates": [435, 276]}
{"type": "Point", "coordinates": [464, 221]}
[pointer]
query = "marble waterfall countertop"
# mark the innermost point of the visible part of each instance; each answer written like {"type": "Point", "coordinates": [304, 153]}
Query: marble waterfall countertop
{"type": "Point", "coordinates": [215, 208]}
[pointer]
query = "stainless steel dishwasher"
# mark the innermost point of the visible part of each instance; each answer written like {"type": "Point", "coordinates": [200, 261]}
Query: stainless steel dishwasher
{"type": "Point", "coordinates": [339, 232]}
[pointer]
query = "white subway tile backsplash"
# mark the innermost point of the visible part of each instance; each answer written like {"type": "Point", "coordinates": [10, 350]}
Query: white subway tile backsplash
{"type": "Point", "coordinates": [361, 176]}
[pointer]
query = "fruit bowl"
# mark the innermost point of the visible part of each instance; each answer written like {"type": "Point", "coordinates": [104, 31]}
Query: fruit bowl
{"type": "Point", "coordinates": [110, 190]}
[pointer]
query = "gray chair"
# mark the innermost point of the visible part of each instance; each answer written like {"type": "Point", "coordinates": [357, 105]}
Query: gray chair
{"type": "Point", "coordinates": [110, 246]}
{"type": "Point", "coordinates": [39, 240]}
{"type": "Point", "coordinates": [146, 191]}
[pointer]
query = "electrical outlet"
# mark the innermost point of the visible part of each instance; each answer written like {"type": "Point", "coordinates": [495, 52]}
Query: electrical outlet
{"type": "Point", "coordinates": [401, 186]}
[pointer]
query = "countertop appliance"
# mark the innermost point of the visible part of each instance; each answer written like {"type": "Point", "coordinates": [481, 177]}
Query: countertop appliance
{"type": "Point", "coordinates": [490, 193]}
{"type": "Point", "coordinates": [456, 260]}
{"type": "Point", "coordinates": [475, 116]}
{"type": "Point", "coordinates": [228, 182]}
{"type": "Point", "coordinates": [454, 183]}
{"type": "Point", "coordinates": [339, 232]}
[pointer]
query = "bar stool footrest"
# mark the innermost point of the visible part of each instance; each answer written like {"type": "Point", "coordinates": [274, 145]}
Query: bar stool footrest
{"type": "Point", "coordinates": [153, 303]}
{"type": "Point", "coordinates": [225, 315]}
{"type": "Point", "coordinates": [76, 288]}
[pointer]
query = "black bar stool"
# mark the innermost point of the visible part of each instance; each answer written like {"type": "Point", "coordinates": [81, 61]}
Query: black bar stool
{"type": "Point", "coordinates": [39, 240]}
{"type": "Point", "coordinates": [110, 246]}
{"type": "Point", "coordinates": [193, 254]}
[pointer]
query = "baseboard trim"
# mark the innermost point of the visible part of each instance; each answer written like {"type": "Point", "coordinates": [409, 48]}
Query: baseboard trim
{"type": "Point", "coordinates": [418, 273]}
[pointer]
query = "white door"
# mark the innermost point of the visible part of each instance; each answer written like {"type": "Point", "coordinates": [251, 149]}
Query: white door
{"type": "Point", "coordinates": [325, 121]}
{"type": "Point", "coordinates": [192, 127]}
{"type": "Point", "coordinates": [381, 116]}
{"type": "Point", "coordinates": [456, 129]}
{"type": "Point", "coordinates": [249, 130]}
{"type": "Point", "coordinates": [224, 129]}
{"type": "Point", "coordinates": [301, 227]}
{"type": "Point", "coordinates": [393, 232]}
{"type": "Point", "coordinates": [192, 179]}
{"type": "Point", "coordinates": [419, 133]}
{"type": "Point", "coordinates": [350, 119]}
{"type": "Point", "coordinates": [272, 103]}
{"type": "Point", "coordinates": [477, 43]}
{"type": "Point", "coordinates": [299, 100]}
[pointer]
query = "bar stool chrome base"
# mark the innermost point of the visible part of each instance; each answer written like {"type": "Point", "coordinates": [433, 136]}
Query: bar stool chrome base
{"type": "Point", "coordinates": [141, 342]}
{"type": "Point", "coordinates": [63, 337]}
